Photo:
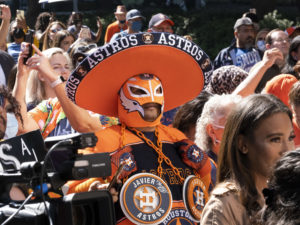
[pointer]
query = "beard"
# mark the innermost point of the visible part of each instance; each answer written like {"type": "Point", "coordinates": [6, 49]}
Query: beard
{"type": "Point", "coordinates": [249, 43]}
{"type": "Point", "coordinates": [151, 111]}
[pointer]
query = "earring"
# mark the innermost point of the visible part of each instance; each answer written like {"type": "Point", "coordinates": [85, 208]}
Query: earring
{"type": "Point", "coordinates": [244, 150]}
{"type": "Point", "coordinates": [216, 141]}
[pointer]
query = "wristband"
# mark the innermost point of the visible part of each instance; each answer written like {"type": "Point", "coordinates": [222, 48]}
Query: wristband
{"type": "Point", "coordinates": [59, 80]}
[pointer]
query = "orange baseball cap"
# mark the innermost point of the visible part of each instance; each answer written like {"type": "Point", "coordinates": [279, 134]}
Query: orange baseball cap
{"type": "Point", "coordinates": [159, 18]}
{"type": "Point", "coordinates": [291, 30]}
{"type": "Point", "coordinates": [280, 86]}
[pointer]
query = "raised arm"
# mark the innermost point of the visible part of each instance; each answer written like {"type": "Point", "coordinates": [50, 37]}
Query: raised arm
{"type": "Point", "coordinates": [80, 119]}
{"type": "Point", "coordinates": [19, 92]}
{"type": "Point", "coordinates": [5, 16]}
{"type": "Point", "coordinates": [247, 87]}
{"type": "Point", "coordinates": [99, 31]}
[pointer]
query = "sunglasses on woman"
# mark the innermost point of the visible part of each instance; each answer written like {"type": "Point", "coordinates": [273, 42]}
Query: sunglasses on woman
{"type": "Point", "coordinates": [55, 30]}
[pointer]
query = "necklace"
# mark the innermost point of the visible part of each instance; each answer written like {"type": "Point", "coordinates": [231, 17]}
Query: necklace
{"type": "Point", "coordinates": [158, 149]}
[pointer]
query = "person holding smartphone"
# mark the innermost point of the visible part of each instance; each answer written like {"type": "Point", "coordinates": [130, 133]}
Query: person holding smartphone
{"type": "Point", "coordinates": [18, 36]}
{"type": "Point", "coordinates": [75, 25]}
{"type": "Point", "coordinates": [56, 115]}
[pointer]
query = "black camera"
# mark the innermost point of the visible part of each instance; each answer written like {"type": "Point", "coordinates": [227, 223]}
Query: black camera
{"type": "Point", "coordinates": [71, 165]}
{"type": "Point", "coordinates": [65, 164]}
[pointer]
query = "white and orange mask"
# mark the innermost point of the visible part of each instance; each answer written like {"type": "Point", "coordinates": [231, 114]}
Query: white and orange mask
{"type": "Point", "coordinates": [136, 92]}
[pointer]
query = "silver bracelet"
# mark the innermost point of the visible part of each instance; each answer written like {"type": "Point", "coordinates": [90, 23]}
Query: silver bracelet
{"type": "Point", "coordinates": [59, 80]}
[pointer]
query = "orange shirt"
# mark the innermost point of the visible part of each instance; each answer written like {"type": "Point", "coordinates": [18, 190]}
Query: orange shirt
{"type": "Point", "coordinates": [109, 140]}
{"type": "Point", "coordinates": [111, 30]}
{"type": "Point", "coordinates": [49, 113]}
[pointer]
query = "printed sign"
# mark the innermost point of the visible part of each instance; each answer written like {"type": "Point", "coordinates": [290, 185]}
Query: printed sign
{"type": "Point", "coordinates": [24, 148]}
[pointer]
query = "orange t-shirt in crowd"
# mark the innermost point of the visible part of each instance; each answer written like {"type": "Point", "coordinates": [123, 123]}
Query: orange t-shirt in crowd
{"type": "Point", "coordinates": [112, 29]}
{"type": "Point", "coordinates": [297, 134]}
{"type": "Point", "coordinates": [280, 87]}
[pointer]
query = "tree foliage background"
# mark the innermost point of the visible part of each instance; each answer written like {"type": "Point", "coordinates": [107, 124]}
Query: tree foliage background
{"type": "Point", "coordinates": [211, 26]}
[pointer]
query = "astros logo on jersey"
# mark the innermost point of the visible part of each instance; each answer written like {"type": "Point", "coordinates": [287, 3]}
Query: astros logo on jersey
{"type": "Point", "coordinates": [127, 158]}
{"type": "Point", "coordinates": [178, 216]}
{"type": "Point", "coordinates": [145, 199]}
{"type": "Point", "coordinates": [194, 153]}
{"type": "Point", "coordinates": [195, 196]}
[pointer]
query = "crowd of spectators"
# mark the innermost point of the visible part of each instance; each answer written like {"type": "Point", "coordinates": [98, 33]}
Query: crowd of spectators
{"type": "Point", "coordinates": [246, 118]}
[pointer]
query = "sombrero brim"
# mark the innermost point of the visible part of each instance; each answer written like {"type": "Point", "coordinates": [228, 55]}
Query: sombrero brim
{"type": "Point", "coordinates": [97, 83]}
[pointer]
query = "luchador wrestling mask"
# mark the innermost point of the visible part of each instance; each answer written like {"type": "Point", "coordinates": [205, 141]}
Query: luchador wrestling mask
{"type": "Point", "coordinates": [135, 96]}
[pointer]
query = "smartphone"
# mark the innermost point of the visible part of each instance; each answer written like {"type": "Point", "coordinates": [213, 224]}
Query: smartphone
{"type": "Point", "coordinates": [85, 32]}
{"type": "Point", "coordinates": [20, 14]}
{"type": "Point", "coordinates": [116, 176]}
{"type": "Point", "coordinates": [26, 46]}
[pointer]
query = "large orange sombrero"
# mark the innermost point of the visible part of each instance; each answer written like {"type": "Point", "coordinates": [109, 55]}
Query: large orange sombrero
{"type": "Point", "coordinates": [182, 66]}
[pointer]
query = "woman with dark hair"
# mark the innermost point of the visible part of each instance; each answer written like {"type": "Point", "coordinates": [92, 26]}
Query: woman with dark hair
{"type": "Point", "coordinates": [186, 117]}
{"type": "Point", "coordinates": [63, 39]}
{"type": "Point", "coordinates": [75, 18]}
{"type": "Point", "coordinates": [8, 104]}
{"type": "Point", "coordinates": [9, 107]}
{"type": "Point", "coordinates": [257, 132]}
{"type": "Point", "coordinates": [41, 25]}
{"type": "Point", "coordinates": [282, 195]}
{"type": "Point", "coordinates": [292, 57]}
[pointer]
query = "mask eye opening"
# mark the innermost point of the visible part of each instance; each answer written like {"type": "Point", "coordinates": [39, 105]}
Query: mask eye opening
{"type": "Point", "coordinates": [137, 91]}
{"type": "Point", "coordinates": [159, 90]}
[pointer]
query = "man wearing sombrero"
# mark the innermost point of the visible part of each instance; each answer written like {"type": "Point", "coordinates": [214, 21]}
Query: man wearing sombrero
{"type": "Point", "coordinates": [136, 78]}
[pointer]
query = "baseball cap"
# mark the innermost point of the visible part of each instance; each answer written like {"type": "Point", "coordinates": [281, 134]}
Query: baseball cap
{"type": "Point", "coordinates": [132, 14]}
{"type": "Point", "coordinates": [242, 21]}
{"type": "Point", "coordinates": [157, 19]}
{"type": "Point", "coordinates": [291, 30]}
{"type": "Point", "coordinates": [121, 9]}
{"type": "Point", "coordinates": [252, 16]}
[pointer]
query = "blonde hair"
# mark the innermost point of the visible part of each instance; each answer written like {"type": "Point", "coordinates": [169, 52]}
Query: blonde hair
{"type": "Point", "coordinates": [35, 90]}
{"type": "Point", "coordinates": [47, 42]}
